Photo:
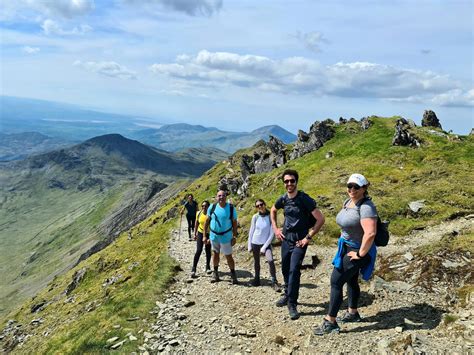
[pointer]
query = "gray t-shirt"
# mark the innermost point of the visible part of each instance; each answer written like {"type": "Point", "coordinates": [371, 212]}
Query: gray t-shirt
{"type": "Point", "coordinates": [349, 220]}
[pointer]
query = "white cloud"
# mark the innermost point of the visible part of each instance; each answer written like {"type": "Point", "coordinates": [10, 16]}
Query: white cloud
{"type": "Point", "coordinates": [30, 50]}
{"type": "Point", "coordinates": [61, 8]}
{"type": "Point", "coordinates": [455, 98]}
{"type": "Point", "coordinates": [110, 69]}
{"type": "Point", "coordinates": [305, 76]}
{"type": "Point", "coordinates": [51, 27]}
{"type": "Point", "coordinates": [189, 7]}
{"type": "Point", "coordinates": [312, 40]}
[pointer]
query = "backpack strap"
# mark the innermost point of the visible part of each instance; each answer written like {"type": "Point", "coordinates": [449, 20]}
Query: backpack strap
{"type": "Point", "coordinates": [213, 208]}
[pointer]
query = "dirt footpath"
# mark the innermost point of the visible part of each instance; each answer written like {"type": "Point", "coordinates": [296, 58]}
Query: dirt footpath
{"type": "Point", "coordinates": [198, 316]}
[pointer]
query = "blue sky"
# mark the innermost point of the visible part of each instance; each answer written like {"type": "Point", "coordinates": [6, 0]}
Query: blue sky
{"type": "Point", "coordinates": [240, 64]}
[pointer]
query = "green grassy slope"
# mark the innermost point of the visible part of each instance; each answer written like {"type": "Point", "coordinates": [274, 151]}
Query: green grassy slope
{"type": "Point", "coordinates": [439, 172]}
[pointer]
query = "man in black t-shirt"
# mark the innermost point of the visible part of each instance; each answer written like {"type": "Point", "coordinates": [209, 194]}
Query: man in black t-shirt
{"type": "Point", "coordinates": [191, 208]}
{"type": "Point", "coordinates": [298, 229]}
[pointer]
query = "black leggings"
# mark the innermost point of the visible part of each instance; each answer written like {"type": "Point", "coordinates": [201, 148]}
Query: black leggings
{"type": "Point", "coordinates": [348, 274]}
{"type": "Point", "coordinates": [191, 222]}
{"type": "Point", "coordinates": [199, 246]}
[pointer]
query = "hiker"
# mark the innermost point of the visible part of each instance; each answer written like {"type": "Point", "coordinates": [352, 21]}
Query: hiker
{"type": "Point", "coordinates": [356, 253]}
{"type": "Point", "coordinates": [201, 218]}
{"type": "Point", "coordinates": [260, 242]}
{"type": "Point", "coordinates": [297, 232]}
{"type": "Point", "coordinates": [191, 207]}
{"type": "Point", "coordinates": [222, 220]}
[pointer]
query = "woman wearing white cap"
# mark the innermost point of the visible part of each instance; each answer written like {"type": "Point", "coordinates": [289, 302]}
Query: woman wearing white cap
{"type": "Point", "coordinates": [356, 253]}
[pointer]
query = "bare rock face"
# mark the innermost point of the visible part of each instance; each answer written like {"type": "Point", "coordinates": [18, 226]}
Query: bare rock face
{"type": "Point", "coordinates": [403, 136]}
{"type": "Point", "coordinates": [319, 133]}
{"type": "Point", "coordinates": [232, 185]}
{"type": "Point", "coordinates": [430, 120]}
{"type": "Point", "coordinates": [270, 156]}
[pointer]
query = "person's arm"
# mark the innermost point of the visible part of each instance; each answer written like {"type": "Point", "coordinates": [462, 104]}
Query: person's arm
{"type": "Point", "coordinates": [206, 228]}
{"type": "Point", "coordinates": [196, 226]}
{"type": "Point", "coordinates": [369, 225]}
{"type": "Point", "coordinates": [182, 209]}
{"type": "Point", "coordinates": [252, 229]}
{"type": "Point", "coordinates": [317, 214]}
{"type": "Point", "coordinates": [271, 234]}
{"type": "Point", "coordinates": [276, 230]}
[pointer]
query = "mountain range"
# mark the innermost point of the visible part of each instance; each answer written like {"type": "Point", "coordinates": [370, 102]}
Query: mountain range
{"type": "Point", "coordinates": [63, 123]}
{"type": "Point", "coordinates": [177, 136]}
{"type": "Point", "coordinates": [53, 205]}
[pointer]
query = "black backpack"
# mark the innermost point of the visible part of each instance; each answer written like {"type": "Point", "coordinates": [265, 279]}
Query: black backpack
{"type": "Point", "coordinates": [382, 236]}
{"type": "Point", "coordinates": [213, 208]}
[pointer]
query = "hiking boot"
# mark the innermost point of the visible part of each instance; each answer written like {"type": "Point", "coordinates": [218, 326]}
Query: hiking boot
{"type": "Point", "coordinates": [193, 274]}
{"type": "Point", "coordinates": [255, 282]}
{"type": "Point", "coordinates": [215, 277]}
{"type": "Point", "coordinates": [234, 278]}
{"type": "Point", "coordinates": [208, 271]}
{"type": "Point", "coordinates": [293, 312]}
{"type": "Point", "coordinates": [282, 301]}
{"type": "Point", "coordinates": [350, 318]}
{"type": "Point", "coordinates": [276, 286]}
{"type": "Point", "coordinates": [326, 328]}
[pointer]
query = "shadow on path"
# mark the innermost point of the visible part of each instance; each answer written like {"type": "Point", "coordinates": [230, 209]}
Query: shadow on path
{"type": "Point", "coordinates": [419, 316]}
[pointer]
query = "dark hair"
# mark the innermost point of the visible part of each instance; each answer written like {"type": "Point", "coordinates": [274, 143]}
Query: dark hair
{"type": "Point", "coordinates": [260, 200]}
{"type": "Point", "coordinates": [190, 195]}
{"type": "Point", "coordinates": [290, 172]}
{"type": "Point", "coordinates": [206, 202]}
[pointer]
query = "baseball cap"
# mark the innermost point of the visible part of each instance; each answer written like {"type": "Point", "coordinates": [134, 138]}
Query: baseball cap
{"type": "Point", "coordinates": [358, 179]}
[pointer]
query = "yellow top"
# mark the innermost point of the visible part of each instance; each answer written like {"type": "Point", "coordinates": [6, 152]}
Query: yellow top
{"type": "Point", "coordinates": [201, 219]}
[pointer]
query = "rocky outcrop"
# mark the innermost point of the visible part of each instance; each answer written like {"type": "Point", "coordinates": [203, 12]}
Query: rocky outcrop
{"type": "Point", "coordinates": [76, 280]}
{"type": "Point", "coordinates": [403, 136]}
{"type": "Point", "coordinates": [430, 120]}
{"type": "Point", "coordinates": [365, 123]}
{"type": "Point", "coordinates": [319, 133]}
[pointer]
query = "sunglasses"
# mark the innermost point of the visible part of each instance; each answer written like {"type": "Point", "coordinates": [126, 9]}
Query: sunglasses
{"type": "Point", "coordinates": [204, 205]}
{"type": "Point", "coordinates": [289, 181]}
{"type": "Point", "coordinates": [259, 205]}
{"type": "Point", "coordinates": [353, 186]}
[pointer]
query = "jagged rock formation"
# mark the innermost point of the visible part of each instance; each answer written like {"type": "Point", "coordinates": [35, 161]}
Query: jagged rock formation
{"type": "Point", "coordinates": [319, 133]}
{"type": "Point", "coordinates": [265, 158]}
{"type": "Point", "coordinates": [403, 136]}
{"type": "Point", "coordinates": [430, 120]}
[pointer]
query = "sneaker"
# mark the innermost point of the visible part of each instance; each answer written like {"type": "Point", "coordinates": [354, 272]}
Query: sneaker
{"type": "Point", "coordinates": [208, 271]}
{"type": "Point", "coordinates": [282, 301]}
{"type": "Point", "coordinates": [215, 277]}
{"type": "Point", "coordinates": [193, 274]}
{"type": "Point", "coordinates": [326, 328]}
{"type": "Point", "coordinates": [255, 282]}
{"type": "Point", "coordinates": [276, 286]}
{"type": "Point", "coordinates": [350, 318]}
{"type": "Point", "coordinates": [293, 312]}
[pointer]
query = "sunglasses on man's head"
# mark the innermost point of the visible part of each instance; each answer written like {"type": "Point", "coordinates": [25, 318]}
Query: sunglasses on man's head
{"type": "Point", "coordinates": [353, 186]}
{"type": "Point", "coordinates": [259, 205]}
{"type": "Point", "coordinates": [289, 181]}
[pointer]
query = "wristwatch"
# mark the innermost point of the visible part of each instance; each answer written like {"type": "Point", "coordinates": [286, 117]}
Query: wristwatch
{"type": "Point", "coordinates": [309, 237]}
